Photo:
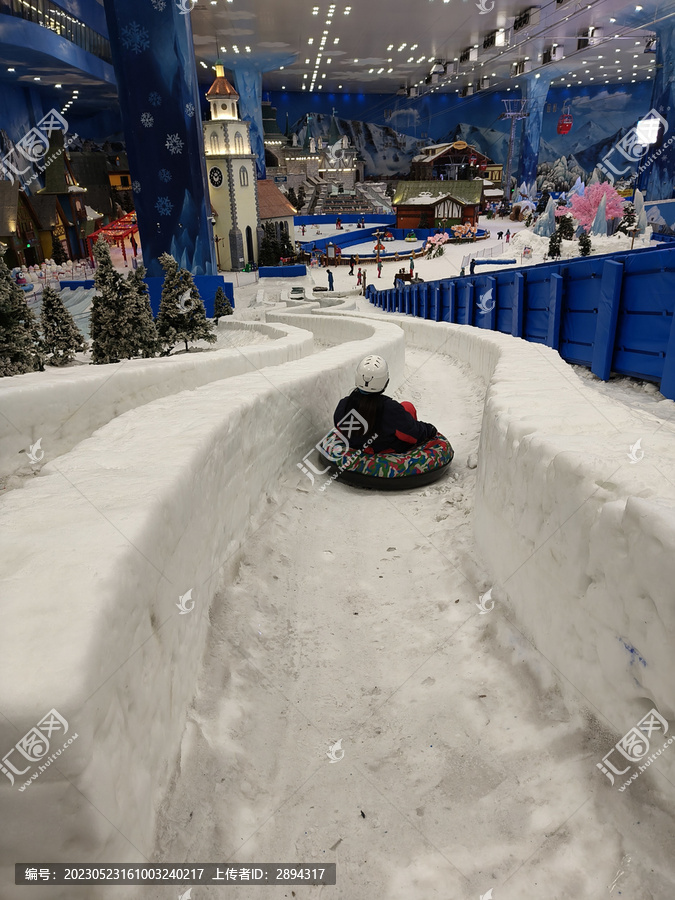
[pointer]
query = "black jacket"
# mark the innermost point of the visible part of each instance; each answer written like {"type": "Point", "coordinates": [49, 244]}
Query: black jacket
{"type": "Point", "coordinates": [397, 431]}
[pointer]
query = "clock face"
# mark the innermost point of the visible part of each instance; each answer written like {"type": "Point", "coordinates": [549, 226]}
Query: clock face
{"type": "Point", "coordinates": [216, 177]}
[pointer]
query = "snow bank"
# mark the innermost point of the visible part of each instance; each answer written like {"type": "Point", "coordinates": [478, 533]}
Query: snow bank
{"type": "Point", "coordinates": [581, 539]}
{"type": "Point", "coordinates": [99, 550]}
{"type": "Point", "coordinates": [63, 406]}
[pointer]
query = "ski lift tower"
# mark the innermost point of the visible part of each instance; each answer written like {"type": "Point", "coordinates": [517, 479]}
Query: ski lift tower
{"type": "Point", "coordinates": [515, 110]}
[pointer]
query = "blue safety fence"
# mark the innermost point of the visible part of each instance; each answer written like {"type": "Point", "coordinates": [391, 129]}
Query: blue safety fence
{"type": "Point", "coordinates": [382, 219]}
{"type": "Point", "coordinates": [612, 313]}
{"type": "Point", "coordinates": [282, 271]}
{"type": "Point", "coordinates": [364, 235]}
{"type": "Point", "coordinates": [207, 285]}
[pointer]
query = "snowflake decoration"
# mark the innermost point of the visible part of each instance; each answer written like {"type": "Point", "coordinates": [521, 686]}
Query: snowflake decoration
{"type": "Point", "coordinates": [136, 187]}
{"type": "Point", "coordinates": [164, 206]}
{"type": "Point", "coordinates": [160, 5]}
{"type": "Point", "coordinates": [147, 121]}
{"type": "Point", "coordinates": [164, 175]}
{"type": "Point", "coordinates": [135, 38]}
{"type": "Point", "coordinates": [174, 144]}
{"type": "Point", "coordinates": [154, 99]}
{"type": "Point", "coordinates": [190, 109]}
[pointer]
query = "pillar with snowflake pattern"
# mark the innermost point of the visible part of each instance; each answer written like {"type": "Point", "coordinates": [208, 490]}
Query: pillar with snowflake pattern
{"type": "Point", "coordinates": [158, 90]}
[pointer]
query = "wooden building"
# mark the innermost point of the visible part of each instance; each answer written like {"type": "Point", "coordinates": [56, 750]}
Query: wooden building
{"type": "Point", "coordinates": [430, 204]}
{"type": "Point", "coordinates": [453, 161]}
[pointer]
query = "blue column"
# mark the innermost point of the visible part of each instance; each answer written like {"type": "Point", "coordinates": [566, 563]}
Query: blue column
{"type": "Point", "coordinates": [159, 101]}
{"type": "Point", "coordinates": [658, 179]}
{"type": "Point", "coordinates": [535, 91]}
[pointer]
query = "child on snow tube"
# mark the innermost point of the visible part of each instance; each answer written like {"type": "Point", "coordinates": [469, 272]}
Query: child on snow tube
{"type": "Point", "coordinates": [385, 444]}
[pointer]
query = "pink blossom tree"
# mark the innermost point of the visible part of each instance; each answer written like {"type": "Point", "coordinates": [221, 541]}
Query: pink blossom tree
{"type": "Point", "coordinates": [584, 208]}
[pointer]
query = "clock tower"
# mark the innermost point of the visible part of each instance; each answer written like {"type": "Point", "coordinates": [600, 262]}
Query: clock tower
{"type": "Point", "coordinates": [231, 170]}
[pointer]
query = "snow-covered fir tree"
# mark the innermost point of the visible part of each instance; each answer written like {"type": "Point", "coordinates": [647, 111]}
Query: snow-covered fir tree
{"type": "Point", "coordinates": [584, 244]}
{"type": "Point", "coordinates": [142, 323]}
{"type": "Point", "coordinates": [61, 336]}
{"type": "Point", "coordinates": [542, 202]}
{"type": "Point", "coordinates": [20, 350]}
{"type": "Point", "coordinates": [628, 220]}
{"type": "Point", "coordinates": [110, 324]}
{"type": "Point", "coordinates": [221, 305]}
{"type": "Point", "coordinates": [566, 227]}
{"type": "Point", "coordinates": [182, 316]}
{"type": "Point", "coordinates": [554, 244]}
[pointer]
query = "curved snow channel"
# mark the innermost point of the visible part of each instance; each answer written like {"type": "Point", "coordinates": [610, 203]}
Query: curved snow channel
{"type": "Point", "coordinates": [61, 407]}
{"type": "Point", "coordinates": [353, 618]}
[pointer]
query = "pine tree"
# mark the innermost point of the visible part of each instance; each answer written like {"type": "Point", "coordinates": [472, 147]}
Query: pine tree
{"type": "Point", "coordinates": [110, 325]}
{"type": "Point", "coordinates": [270, 249]}
{"type": "Point", "coordinates": [59, 255]}
{"type": "Point", "coordinates": [143, 330]}
{"type": "Point", "coordinates": [182, 316]}
{"type": "Point", "coordinates": [584, 244]}
{"type": "Point", "coordinates": [628, 220]}
{"type": "Point", "coordinates": [61, 337]}
{"type": "Point", "coordinates": [554, 244]}
{"type": "Point", "coordinates": [292, 199]}
{"type": "Point", "coordinates": [19, 340]}
{"type": "Point", "coordinates": [222, 306]}
{"type": "Point", "coordinates": [566, 228]}
{"type": "Point", "coordinates": [543, 202]}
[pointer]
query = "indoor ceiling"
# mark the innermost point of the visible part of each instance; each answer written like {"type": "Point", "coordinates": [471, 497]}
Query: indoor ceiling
{"type": "Point", "coordinates": [384, 45]}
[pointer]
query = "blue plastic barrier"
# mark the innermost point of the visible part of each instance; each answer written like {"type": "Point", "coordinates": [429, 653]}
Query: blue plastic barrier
{"type": "Point", "coordinates": [207, 285]}
{"type": "Point", "coordinates": [282, 271]}
{"type": "Point", "coordinates": [612, 313]}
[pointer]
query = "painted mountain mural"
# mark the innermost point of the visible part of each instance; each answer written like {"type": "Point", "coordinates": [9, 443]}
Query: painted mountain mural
{"type": "Point", "coordinates": [385, 151]}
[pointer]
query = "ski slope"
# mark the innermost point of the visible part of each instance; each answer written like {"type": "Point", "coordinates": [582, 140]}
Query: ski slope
{"type": "Point", "coordinates": [471, 735]}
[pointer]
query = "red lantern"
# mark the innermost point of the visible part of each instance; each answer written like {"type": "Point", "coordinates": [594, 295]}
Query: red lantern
{"type": "Point", "coordinates": [565, 121]}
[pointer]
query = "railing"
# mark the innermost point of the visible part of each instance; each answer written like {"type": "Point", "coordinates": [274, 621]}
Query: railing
{"type": "Point", "coordinates": [49, 15]}
{"type": "Point", "coordinates": [611, 313]}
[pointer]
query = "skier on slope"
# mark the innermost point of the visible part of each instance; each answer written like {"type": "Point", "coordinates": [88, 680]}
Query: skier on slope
{"type": "Point", "coordinates": [395, 424]}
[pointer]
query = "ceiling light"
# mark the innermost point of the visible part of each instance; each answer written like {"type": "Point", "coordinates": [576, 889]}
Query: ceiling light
{"type": "Point", "coordinates": [612, 20]}
{"type": "Point", "coordinates": [202, 63]}
{"type": "Point", "coordinates": [348, 9]}
{"type": "Point", "coordinates": [328, 60]}
{"type": "Point", "coordinates": [283, 87]}
{"type": "Point", "coordinates": [14, 70]}
{"type": "Point", "coordinates": [336, 41]}
{"type": "Point", "coordinates": [638, 9]}
{"type": "Point", "coordinates": [307, 61]}
{"type": "Point", "coordinates": [310, 41]}
{"type": "Point", "coordinates": [390, 47]}
{"type": "Point", "coordinates": [339, 85]}
{"type": "Point", "coordinates": [36, 78]}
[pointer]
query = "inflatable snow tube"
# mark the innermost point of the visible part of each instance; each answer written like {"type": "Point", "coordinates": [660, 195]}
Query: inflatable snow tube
{"type": "Point", "coordinates": [396, 471]}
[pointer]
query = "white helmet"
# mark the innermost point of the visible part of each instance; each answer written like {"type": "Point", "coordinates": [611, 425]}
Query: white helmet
{"type": "Point", "coordinates": [372, 375]}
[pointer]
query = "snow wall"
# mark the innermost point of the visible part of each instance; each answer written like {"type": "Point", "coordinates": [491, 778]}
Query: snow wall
{"type": "Point", "coordinates": [98, 551]}
{"type": "Point", "coordinates": [580, 540]}
{"type": "Point", "coordinates": [63, 406]}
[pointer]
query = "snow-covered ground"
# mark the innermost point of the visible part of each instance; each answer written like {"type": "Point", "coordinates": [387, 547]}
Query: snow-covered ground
{"type": "Point", "coordinates": [463, 770]}
{"type": "Point", "coordinates": [470, 756]}
{"type": "Point", "coordinates": [368, 248]}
